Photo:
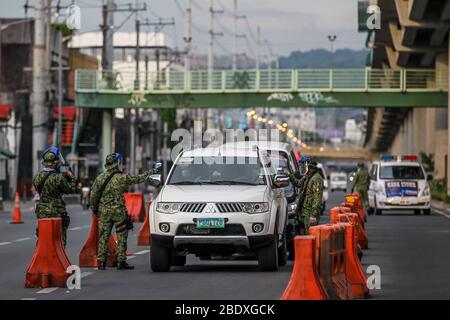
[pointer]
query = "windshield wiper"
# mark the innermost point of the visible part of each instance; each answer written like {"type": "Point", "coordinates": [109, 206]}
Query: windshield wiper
{"type": "Point", "coordinates": [230, 182]}
{"type": "Point", "coordinates": [181, 183]}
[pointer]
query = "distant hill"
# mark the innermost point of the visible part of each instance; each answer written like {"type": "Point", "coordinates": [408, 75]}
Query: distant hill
{"type": "Point", "coordinates": [316, 58]}
{"type": "Point", "coordinates": [321, 58]}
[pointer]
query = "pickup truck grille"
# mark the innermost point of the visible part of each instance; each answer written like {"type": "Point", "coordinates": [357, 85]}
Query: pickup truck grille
{"type": "Point", "coordinates": [192, 207]}
{"type": "Point", "coordinates": [229, 230]}
{"type": "Point", "coordinates": [229, 207]}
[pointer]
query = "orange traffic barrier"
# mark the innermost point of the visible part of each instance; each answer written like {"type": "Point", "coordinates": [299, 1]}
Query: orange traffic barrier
{"type": "Point", "coordinates": [354, 203]}
{"type": "Point", "coordinates": [135, 205]}
{"type": "Point", "coordinates": [304, 283]}
{"type": "Point", "coordinates": [330, 258]}
{"type": "Point", "coordinates": [88, 254]}
{"type": "Point", "coordinates": [359, 205]}
{"type": "Point", "coordinates": [49, 263]}
{"type": "Point", "coordinates": [17, 217]}
{"type": "Point", "coordinates": [351, 203]}
{"type": "Point", "coordinates": [354, 270]}
{"type": "Point", "coordinates": [143, 237]}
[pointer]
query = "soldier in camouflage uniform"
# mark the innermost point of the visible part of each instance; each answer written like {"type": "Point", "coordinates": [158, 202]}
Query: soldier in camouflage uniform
{"type": "Point", "coordinates": [361, 183]}
{"type": "Point", "coordinates": [50, 184]}
{"type": "Point", "coordinates": [310, 200]}
{"type": "Point", "coordinates": [112, 209]}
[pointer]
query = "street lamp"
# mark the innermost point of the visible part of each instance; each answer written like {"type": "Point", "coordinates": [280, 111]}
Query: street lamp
{"type": "Point", "coordinates": [332, 39]}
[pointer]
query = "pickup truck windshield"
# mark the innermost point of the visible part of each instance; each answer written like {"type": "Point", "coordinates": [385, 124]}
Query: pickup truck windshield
{"type": "Point", "coordinates": [218, 171]}
{"type": "Point", "coordinates": [401, 172]}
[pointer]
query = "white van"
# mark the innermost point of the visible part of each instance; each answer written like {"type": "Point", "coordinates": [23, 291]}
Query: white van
{"type": "Point", "coordinates": [398, 183]}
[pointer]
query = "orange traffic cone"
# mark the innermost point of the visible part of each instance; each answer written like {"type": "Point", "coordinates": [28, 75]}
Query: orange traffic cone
{"type": "Point", "coordinates": [17, 217]}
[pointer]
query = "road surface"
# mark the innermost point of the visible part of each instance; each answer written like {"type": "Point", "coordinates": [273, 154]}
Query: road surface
{"type": "Point", "coordinates": [412, 252]}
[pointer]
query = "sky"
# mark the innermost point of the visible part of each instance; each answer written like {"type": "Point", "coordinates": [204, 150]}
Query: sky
{"type": "Point", "coordinates": [288, 25]}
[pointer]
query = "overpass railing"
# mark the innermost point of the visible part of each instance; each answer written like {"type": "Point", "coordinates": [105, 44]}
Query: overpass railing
{"type": "Point", "coordinates": [281, 80]}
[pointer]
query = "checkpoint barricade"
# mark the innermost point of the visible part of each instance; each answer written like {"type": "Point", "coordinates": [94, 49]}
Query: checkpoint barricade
{"type": "Point", "coordinates": [88, 254]}
{"type": "Point", "coordinates": [143, 236]}
{"type": "Point", "coordinates": [49, 263]}
{"type": "Point", "coordinates": [363, 240]}
{"type": "Point", "coordinates": [305, 283]}
{"type": "Point", "coordinates": [331, 261]}
{"type": "Point", "coordinates": [135, 205]}
{"type": "Point", "coordinates": [354, 271]}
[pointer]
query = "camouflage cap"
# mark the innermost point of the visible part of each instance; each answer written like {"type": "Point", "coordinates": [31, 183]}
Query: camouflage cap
{"type": "Point", "coordinates": [50, 158]}
{"type": "Point", "coordinates": [112, 161]}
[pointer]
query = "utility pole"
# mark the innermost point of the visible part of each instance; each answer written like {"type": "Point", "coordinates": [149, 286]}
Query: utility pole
{"type": "Point", "coordinates": [212, 34]}
{"type": "Point", "coordinates": [107, 66]}
{"type": "Point", "coordinates": [258, 45]}
{"type": "Point", "coordinates": [188, 40]}
{"type": "Point", "coordinates": [236, 35]}
{"type": "Point", "coordinates": [159, 24]}
{"type": "Point", "coordinates": [332, 39]}
{"type": "Point", "coordinates": [39, 109]}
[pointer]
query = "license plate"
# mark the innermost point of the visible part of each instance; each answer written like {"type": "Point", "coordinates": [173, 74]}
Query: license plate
{"type": "Point", "coordinates": [210, 223]}
{"type": "Point", "coordinates": [404, 202]}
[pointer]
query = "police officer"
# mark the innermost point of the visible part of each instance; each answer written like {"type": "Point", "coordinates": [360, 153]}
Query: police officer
{"type": "Point", "coordinates": [361, 183]}
{"type": "Point", "coordinates": [108, 202]}
{"type": "Point", "coordinates": [50, 184]}
{"type": "Point", "coordinates": [310, 199]}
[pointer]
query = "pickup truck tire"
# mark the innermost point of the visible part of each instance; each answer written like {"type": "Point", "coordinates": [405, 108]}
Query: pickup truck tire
{"type": "Point", "coordinates": [268, 256]}
{"type": "Point", "coordinates": [178, 261]}
{"type": "Point", "coordinates": [282, 251]}
{"type": "Point", "coordinates": [160, 258]}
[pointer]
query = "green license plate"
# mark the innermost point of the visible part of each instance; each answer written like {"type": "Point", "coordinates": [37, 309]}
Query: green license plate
{"type": "Point", "coordinates": [210, 223]}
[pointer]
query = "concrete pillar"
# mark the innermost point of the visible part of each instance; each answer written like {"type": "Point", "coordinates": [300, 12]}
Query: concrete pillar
{"type": "Point", "coordinates": [106, 134]}
{"type": "Point", "coordinates": [448, 126]}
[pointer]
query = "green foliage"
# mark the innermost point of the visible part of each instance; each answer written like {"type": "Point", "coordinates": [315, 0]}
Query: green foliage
{"type": "Point", "coordinates": [66, 31]}
{"type": "Point", "coordinates": [427, 161]}
{"type": "Point", "coordinates": [439, 190]}
{"type": "Point", "coordinates": [169, 116]}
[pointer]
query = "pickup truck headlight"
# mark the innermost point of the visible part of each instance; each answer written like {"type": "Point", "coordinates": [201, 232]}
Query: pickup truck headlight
{"type": "Point", "coordinates": [426, 192]}
{"type": "Point", "coordinates": [168, 207]}
{"type": "Point", "coordinates": [255, 207]}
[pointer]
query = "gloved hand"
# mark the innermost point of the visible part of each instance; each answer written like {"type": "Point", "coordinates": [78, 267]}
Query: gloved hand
{"type": "Point", "coordinates": [312, 221]}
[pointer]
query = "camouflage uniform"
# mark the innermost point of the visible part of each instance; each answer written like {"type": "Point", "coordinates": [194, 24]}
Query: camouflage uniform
{"type": "Point", "coordinates": [51, 204]}
{"type": "Point", "coordinates": [310, 200]}
{"type": "Point", "coordinates": [361, 184]}
{"type": "Point", "coordinates": [111, 208]}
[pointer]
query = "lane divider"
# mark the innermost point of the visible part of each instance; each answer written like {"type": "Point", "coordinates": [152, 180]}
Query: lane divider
{"type": "Point", "coordinates": [441, 213]}
{"type": "Point", "coordinates": [48, 290]}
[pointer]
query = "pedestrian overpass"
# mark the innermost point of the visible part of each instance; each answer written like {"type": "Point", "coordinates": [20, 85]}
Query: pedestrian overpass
{"type": "Point", "coordinates": [365, 87]}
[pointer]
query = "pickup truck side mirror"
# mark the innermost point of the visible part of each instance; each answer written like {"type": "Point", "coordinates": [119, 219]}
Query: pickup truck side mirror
{"type": "Point", "coordinates": [429, 177]}
{"type": "Point", "coordinates": [281, 181]}
{"type": "Point", "coordinates": [156, 177]}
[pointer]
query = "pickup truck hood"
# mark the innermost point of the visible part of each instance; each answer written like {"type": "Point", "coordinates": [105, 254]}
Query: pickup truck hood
{"type": "Point", "coordinates": [211, 193]}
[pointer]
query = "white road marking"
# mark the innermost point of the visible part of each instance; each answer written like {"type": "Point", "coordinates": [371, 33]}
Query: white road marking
{"type": "Point", "coordinates": [142, 252]}
{"type": "Point", "coordinates": [22, 239]}
{"type": "Point", "coordinates": [442, 213]}
{"type": "Point", "coordinates": [28, 299]}
{"type": "Point", "coordinates": [79, 228]}
{"type": "Point", "coordinates": [131, 257]}
{"type": "Point", "coordinates": [48, 290]}
{"type": "Point", "coordinates": [86, 274]}
{"type": "Point", "coordinates": [4, 243]}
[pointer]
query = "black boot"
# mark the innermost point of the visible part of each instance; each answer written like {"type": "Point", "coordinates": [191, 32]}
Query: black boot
{"type": "Point", "coordinates": [123, 265]}
{"type": "Point", "coordinates": [102, 266]}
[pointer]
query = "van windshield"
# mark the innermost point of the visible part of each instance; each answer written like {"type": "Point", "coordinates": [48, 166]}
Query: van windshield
{"type": "Point", "coordinates": [401, 172]}
{"type": "Point", "coordinates": [218, 170]}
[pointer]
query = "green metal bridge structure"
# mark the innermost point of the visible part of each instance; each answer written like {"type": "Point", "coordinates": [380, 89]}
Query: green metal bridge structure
{"type": "Point", "coordinates": [365, 87]}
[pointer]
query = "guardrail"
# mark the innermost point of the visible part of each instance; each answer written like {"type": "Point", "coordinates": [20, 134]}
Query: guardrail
{"type": "Point", "coordinates": [278, 80]}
